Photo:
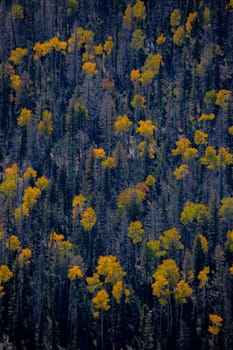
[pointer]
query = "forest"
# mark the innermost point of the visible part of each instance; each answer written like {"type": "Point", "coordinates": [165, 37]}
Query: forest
{"type": "Point", "coordinates": [116, 174]}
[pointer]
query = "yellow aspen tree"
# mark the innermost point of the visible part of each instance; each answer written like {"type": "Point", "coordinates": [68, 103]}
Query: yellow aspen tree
{"type": "Point", "coordinates": [190, 153]}
{"type": "Point", "coordinates": [138, 102]}
{"type": "Point", "coordinates": [109, 163]}
{"type": "Point", "coordinates": [203, 276]}
{"type": "Point", "coordinates": [182, 292]}
{"type": "Point", "coordinates": [226, 209]}
{"type": "Point", "coordinates": [45, 126]}
{"type": "Point", "coordinates": [229, 241]}
{"type": "Point", "coordinates": [139, 10]}
{"type": "Point", "coordinates": [210, 158]}
{"type": "Point", "coordinates": [171, 239]}
{"type": "Point", "coordinates": [179, 36]}
{"type": "Point", "coordinates": [25, 256]}
{"type": "Point", "coordinates": [29, 173]}
{"type": "Point", "coordinates": [98, 153]}
{"type": "Point", "coordinates": [42, 183]}
{"type": "Point", "coordinates": [194, 212]}
{"type": "Point", "coordinates": [78, 205]}
{"type": "Point", "coordinates": [17, 11]}
{"type": "Point", "coordinates": [110, 268]}
{"type": "Point", "coordinates": [31, 195]}
{"type": "Point", "coordinates": [74, 273]}
{"type": "Point", "coordinates": [205, 116]}
{"type": "Point", "coordinates": [135, 231]}
{"type": "Point", "coordinates": [17, 55]}
{"type": "Point", "coordinates": [200, 137]}
{"type": "Point", "coordinates": [181, 146]}
{"type": "Point", "coordinates": [137, 41]}
{"type": "Point", "coordinates": [181, 171]}
{"type": "Point", "coordinates": [150, 181]}
{"type": "Point", "coordinates": [108, 45]}
{"type": "Point", "coordinates": [122, 124]}
{"type": "Point", "coordinates": [88, 219]}
{"type": "Point", "coordinates": [223, 98]}
{"type": "Point", "coordinates": [90, 68]}
{"type": "Point", "coordinates": [191, 18]}
{"type": "Point", "coordinates": [155, 249]}
{"type": "Point", "coordinates": [161, 39]}
{"type": "Point", "coordinates": [230, 130]}
{"type": "Point", "coordinates": [175, 18]}
{"type": "Point", "coordinates": [215, 324]}
{"type": "Point", "coordinates": [15, 82]}
{"type": "Point", "coordinates": [135, 75]}
{"type": "Point", "coordinates": [101, 300]}
{"type": "Point", "coordinates": [93, 282]}
{"type": "Point", "coordinates": [204, 243]}
{"type": "Point", "coordinates": [146, 128]}
{"type": "Point", "coordinates": [13, 243]}
{"type": "Point", "coordinates": [5, 276]}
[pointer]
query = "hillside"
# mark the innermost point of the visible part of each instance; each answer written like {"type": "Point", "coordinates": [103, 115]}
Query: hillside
{"type": "Point", "coordinates": [116, 175]}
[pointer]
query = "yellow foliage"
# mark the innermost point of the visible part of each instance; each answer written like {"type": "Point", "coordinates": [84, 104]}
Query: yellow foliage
{"type": "Point", "coordinates": [135, 231]}
{"type": "Point", "coordinates": [203, 276]}
{"type": "Point", "coordinates": [78, 205]}
{"type": "Point", "coordinates": [108, 45]}
{"type": "Point", "coordinates": [231, 270]}
{"type": "Point", "coordinates": [55, 237]}
{"type": "Point", "coordinates": [193, 212]}
{"type": "Point", "coordinates": [179, 36]}
{"type": "Point", "coordinates": [155, 249]}
{"type": "Point", "coordinates": [161, 39]}
{"type": "Point", "coordinates": [42, 49]}
{"type": "Point", "coordinates": [169, 270]}
{"type": "Point", "coordinates": [223, 98]}
{"type": "Point", "coordinates": [150, 181]}
{"type": "Point", "coordinates": [88, 219]}
{"type": "Point", "coordinates": [230, 130]}
{"type": "Point", "coordinates": [160, 289]}
{"type": "Point", "coordinates": [226, 209]}
{"type": "Point", "coordinates": [138, 39]}
{"type": "Point", "coordinates": [224, 158]}
{"type": "Point", "coordinates": [93, 282]}
{"type": "Point", "coordinates": [216, 324]}
{"type": "Point", "coordinates": [109, 267]}
{"type": "Point", "coordinates": [98, 153]}
{"type": "Point", "coordinates": [175, 18]}
{"type": "Point", "coordinates": [190, 19]}
{"type": "Point", "coordinates": [128, 16]}
{"type": "Point", "coordinates": [75, 272]}
{"type": "Point", "coordinates": [205, 116]}
{"type": "Point", "coordinates": [17, 55]}
{"type": "Point", "coordinates": [204, 243]}
{"type": "Point", "coordinates": [110, 163]}
{"type": "Point", "coordinates": [98, 49]}
{"type": "Point", "coordinates": [130, 194]}
{"type": "Point", "coordinates": [230, 4]}
{"type": "Point", "coordinates": [229, 242]}
{"type": "Point", "coordinates": [210, 158]}
{"type": "Point", "coordinates": [13, 243]}
{"type": "Point", "coordinates": [25, 256]}
{"type": "Point", "coordinates": [117, 291]}
{"type": "Point", "coordinates": [17, 11]}
{"type": "Point", "coordinates": [181, 171]}
{"type": "Point", "coordinates": [15, 81]}
{"type": "Point", "coordinates": [31, 194]}
{"type": "Point", "coordinates": [45, 126]}
{"type": "Point", "coordinates": [135, 75]}
{"type": "Point", "coordinates": [190, 153]}
{"type": "Point", "coordinates": [146, 128]}
{"type": "Point", "coordinates": [24, 117]}
{"type": "Point", "coordinates": [182, 292]}
{"type": "Point", "coordinates": [147, 147]}
{"type": "Point", "coordinates": [42, 183]}
{"type": "Point", "coordinates": [101, 300]}
{"type": "Point", "coordinates": [153, 63]}
{"type": "Point", "coordinates": [147, 76]}
{"type": "Point", "coordinates": [139, 10]}
{"type": "Point", "coordinates": [90, 68]}
{"type": "Point", "coordinates": [8, 188]}
{"type": "Point", "coordinates": [206, 17]}
{"type": "Point", "coordinates": [138, 102]}
{"type": "Point", "coordinates": [200, 137]}
{"type": "Point", "coordinates": [171, 240]}
{"type": "Point", "coordinates": [5, 274]}
{"type": "Point", "coordinates": [181, 146]}
{"type": "Point", "coordinates": [122, 124]}
{"type": "Point", "coordinates": [29, 172]}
